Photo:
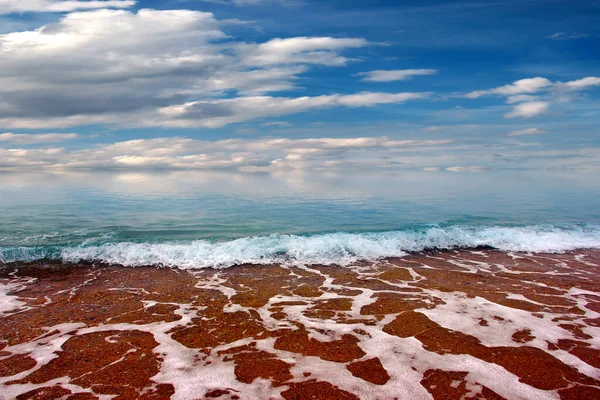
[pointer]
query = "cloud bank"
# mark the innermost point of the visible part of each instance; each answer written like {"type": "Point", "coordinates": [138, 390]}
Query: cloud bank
{"type": "Point", "coordinates": [280, 155]}
{"type": "Point", "coordinates": [266, 154]}
{"type": "Point", "coordinates": [160, 68]}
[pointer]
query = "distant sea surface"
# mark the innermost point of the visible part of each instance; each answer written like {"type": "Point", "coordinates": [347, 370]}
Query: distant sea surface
{"type": "Point", "coordinates": [212, 219]}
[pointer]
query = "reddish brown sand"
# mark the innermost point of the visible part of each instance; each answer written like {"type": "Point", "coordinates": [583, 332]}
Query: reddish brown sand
{"type": "Point", "coordinates": [442, 325]}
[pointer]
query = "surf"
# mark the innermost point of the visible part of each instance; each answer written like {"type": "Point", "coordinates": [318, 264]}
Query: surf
{"type": "Point", "coordinates": [339, 248]}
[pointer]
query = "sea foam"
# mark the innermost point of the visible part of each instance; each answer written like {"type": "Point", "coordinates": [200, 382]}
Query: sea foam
{"type": "Point", "coordinates": [327, 249]}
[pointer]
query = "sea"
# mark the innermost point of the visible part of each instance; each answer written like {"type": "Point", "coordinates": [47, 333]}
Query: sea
{"type": "Point", "coordinates": [218, 219]}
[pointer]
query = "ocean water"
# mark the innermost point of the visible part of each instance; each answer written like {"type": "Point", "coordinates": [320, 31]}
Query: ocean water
{"type": "Point", "coordinates": [214, 219]}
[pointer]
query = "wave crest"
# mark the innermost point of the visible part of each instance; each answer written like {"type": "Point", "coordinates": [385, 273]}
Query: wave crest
{"type": "Point", "coordinates": [325, 249]}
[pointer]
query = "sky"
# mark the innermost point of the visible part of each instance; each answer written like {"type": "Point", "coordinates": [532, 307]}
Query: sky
{"type": "Point", "coordinates": [288, 85]}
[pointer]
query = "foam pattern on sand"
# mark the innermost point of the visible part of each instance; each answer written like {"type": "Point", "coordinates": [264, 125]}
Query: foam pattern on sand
{"type": "Point", "coordinates": [10, 303]}
{"type": "Point", "coordinates": [445, 325]}
{"type": "Point", "coordinates": [324, 249]}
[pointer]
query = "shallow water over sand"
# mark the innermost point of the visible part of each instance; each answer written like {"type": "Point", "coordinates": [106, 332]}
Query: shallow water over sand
{"type": "Point", "coordinates": [443, 325]}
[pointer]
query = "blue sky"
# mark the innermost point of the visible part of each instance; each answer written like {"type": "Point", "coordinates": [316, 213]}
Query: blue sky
{"type": "Point", "coordinates": [270, 85]}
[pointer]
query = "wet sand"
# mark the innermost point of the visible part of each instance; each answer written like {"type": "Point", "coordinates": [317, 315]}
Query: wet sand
{"type": "Point", "coordinates": [472, 324]}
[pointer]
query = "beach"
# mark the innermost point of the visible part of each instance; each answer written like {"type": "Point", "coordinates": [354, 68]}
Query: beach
{"type": "Point", "coordinates": [299, 200]}
{"type": "Point", "coordinates": [465, 323]}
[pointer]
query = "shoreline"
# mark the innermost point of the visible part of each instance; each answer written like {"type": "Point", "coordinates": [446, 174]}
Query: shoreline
{"type": "Point", "coordinates": [328, 248]}
{"type": "Point", "coordinates": [59, 263]}
{"type": "Point", "coordinates": [472, 323]}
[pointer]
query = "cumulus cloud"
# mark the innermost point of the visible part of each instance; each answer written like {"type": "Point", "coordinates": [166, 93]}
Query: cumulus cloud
{"type": "Point", "coordinates": [104, 61]}
{"type": "Point", "coordinates": [528, 109]}
{"type": "Point", "coordinates": [136, 68]}
{"type": "Point", "coordinates": [528, 131]}
{"type": "Point", "coordinates": [23, 138]}
{"type": "Point", "coordinates": [394, 75]}
{"type": "Point", "coordinates": [232, 154]}
{"type": "Point", "coordinates": [20, 6]}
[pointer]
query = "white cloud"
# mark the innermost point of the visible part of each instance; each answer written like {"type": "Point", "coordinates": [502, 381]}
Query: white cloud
{"type": "Point", "coordinates": [438, 128]}
{"type": "Point", "coordinates": [533, 96]}
{"type": "Point", "coordinates": [300, 50]}
{"type": "Point", "coordinates": [321, 154]}
{"type": "Point", "coordinates": [128, 68]}
{"type": "Point", "coordinates": [105, 61]}
{"type": "Point", "coordinates": [246, 3]}
{"type": "Point", "coordinates": [394, 75]}
{"type": "Point", "coordinates": [366, 99]}
{"type": "Point", "coordinates": [528, 109]}
{"type": "Point", "coordinates": [216, 113]}
{"type": "Point", "coordinates": [528, 131]}
{"type": "Point", "coordinates": [581, 84]}
{"type": "Point", "coordinates": [23, 138]}
{"type": "Point", "coordinates": [19, 6]}
{"type": "Point", "coordinates": [522, 86]}
{"type": "Point", "coordinates": [520, 90]}
{"type": "Point", "coordinates": [266, 2]}
{"type": "Point", "coordinates": [566, 36]}
{"type": "Point", "coordinates": [278, 124]}
{"type": "Point", "coordinates": [520, 98]}
{"type": "Point", "coordinates": [470, 168]}
{"type": "Point", "coordinates": [237, 154]}
{"type": "Point", "coordinates": [29, 159]}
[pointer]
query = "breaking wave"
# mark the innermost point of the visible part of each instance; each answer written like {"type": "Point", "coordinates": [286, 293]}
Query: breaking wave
{"type": "Point", "coordinates": [325, 249]}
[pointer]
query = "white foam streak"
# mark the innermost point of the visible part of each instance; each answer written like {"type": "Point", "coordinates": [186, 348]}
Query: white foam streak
{"type": "Point", "coordinates": [8, 302]}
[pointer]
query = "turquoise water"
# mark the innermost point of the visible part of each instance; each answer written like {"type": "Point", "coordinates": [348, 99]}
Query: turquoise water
{"type": "Point", "coordinates": [196, 219]}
